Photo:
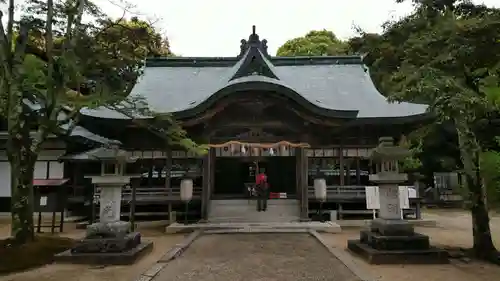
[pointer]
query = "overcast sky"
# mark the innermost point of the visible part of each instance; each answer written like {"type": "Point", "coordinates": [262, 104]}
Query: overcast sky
{"type": "Point", "coordinates": [215, 27]}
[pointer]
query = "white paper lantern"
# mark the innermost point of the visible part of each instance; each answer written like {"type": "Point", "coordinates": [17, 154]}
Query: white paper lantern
{"type": "Point", "coordinates": [186, 190]}
{"type": "Point", "coordinates": [320, 189]}
{"type": "Point", "coordinates": [284, 151]}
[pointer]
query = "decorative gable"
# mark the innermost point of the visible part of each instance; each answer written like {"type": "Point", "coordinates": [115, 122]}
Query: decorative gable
{"type": "Point", "coordinates": [253, 59]}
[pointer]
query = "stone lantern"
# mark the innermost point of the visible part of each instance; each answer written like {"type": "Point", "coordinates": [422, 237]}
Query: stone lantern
{"type": "Point", "coordinates": [111, 182]}
{"type": "Point", "coordinates": [110, 241]}
{"type": "Point", "coordinates": [387, 177]}
{"type": "Point", "coordinates": [391, 239]}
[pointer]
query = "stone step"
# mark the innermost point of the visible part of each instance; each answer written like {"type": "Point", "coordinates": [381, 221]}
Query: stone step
{"type": "Point", "coordinates": [227, 211]}
{"type": "Point", "coordinates": [260, 226]}
{"type": "Point", "coordinates": [257, 230]}
{"type": "Point", "coordinates": [239, 202]}
{"type": "Point", "coordinates": [254, 220]}
{"type": "Point", "coordinates": [253, 212]}
{"type": "Point", "coordinates": [271, 209]}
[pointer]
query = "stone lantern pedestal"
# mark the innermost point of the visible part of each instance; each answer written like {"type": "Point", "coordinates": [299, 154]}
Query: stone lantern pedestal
{"type": "Point", "coordinates": [109, 241]}
{"type": "Point", "coordinates": [389, 239]}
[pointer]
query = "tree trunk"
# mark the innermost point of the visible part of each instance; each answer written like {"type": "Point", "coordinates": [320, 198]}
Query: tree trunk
{"type": "Point", "coordinates": [22, 201]}
{"type": "Point", "coordinates": [469, 150]}
{"type": "Point", "coordinates": [22, 151]}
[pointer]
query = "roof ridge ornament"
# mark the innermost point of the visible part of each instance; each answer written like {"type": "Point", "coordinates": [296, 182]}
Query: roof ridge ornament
{"type": "Point", "coordinates": [253, 42]}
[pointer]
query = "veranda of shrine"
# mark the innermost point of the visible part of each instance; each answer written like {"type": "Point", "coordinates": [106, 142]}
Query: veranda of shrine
{"type": "Point", "coordinates": [293, 116]}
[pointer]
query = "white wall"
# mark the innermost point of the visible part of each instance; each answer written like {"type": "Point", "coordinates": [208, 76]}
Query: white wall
{"type": "Point", "coordinates": [54, 169]}
{"type": "Point", "coordinates": [4, 179]}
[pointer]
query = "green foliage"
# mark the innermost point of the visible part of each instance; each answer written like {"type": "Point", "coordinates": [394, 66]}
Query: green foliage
{"type": "Point", "coordinates": [314, 43]}
{"type": "Point", "coordinates": [445, 54]}
{"type": "Point", "coordinates": [490, 170]}
{"type": "Point", "coordinates": [52, 65]}
{"type": "Point", "coordinates": [412, 162]}
{"type": "Point", "coordinates": [163, 125]}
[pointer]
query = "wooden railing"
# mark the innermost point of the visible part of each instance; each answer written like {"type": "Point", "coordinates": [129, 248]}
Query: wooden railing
{"type": "Point", "coordinates": [340, 192]}
{"type": "Point", "coordinates": [155, 194]}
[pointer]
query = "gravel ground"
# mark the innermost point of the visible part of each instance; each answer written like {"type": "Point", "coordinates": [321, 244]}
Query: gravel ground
{"type": "Point", "coordinates": [68, 272]}
{"type": "Point", "coordinates": [454, 230]}
{"type": "Point", "coordinates": [243, 257]}
{"type": "Point", "coordinates": [269, 256]}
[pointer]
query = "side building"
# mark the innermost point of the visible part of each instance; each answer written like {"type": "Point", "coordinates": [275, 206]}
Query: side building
{"type": "Point", "coordinates": [49, 170]}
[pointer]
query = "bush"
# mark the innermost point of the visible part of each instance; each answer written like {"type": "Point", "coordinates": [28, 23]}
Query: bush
{"type": "Point", "coordinates": [37, 253]}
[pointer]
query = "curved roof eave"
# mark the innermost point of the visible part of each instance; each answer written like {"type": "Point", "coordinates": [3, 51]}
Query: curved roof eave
{"type": "Point", "coordinates": [394, 120]}
{"type": "Point", "coordinates": [108, 113]}
{"type": "Point", "coordinates": [262, 83]}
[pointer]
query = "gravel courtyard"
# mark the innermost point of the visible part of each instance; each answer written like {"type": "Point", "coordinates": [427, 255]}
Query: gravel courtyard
{"type": "Point", "coordinates": [294, 256]}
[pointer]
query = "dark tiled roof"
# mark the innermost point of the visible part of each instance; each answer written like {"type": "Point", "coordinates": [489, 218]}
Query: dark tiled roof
{"type": "Point", "coordinates": [100, 153]}
{"type": "Point", "coordinates": [329, 84]}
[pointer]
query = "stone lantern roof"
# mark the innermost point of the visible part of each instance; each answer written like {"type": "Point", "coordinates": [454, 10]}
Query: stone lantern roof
{"type": "Point", "coordinates": [387, 151]}
{"type": "Point", "coordinates": [102, 154]}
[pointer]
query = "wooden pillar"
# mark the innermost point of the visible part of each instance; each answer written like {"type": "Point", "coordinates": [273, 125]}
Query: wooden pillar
{"type": "Point", "coordinates": [76, 166]}
{"type": "Point", "coordinates": [134, 184]}
{"type": "Point", "coordinates": [168, 173]}
{"type": "Point", "coordinates": [341, 162]}
{"type": "Point", "coordinates": [298, 162]}
{"type": "Point", "coordinates": [205, 192]}
{"type": "Point", "coordinates": [348, 163]}
{"type": "Point", "coordinates": [358, 171]}
{"type": "Point", "coordinates": [305, 184]}
{"type": "Point", "coordinates": [301, 157]}
{"type": "Point", "coordinates": [150, 173]}
{"type": "Point", "coordinates": [213, 159]}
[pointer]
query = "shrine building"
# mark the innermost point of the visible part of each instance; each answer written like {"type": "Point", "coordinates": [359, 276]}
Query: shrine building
{"type": "Point", "coordinates": [293, 116]}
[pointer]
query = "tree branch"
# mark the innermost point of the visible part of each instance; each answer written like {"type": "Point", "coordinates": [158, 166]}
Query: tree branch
{"type": "Point", "coordinates": [10, 24]}
{"type": "Point", "coordinates": [6, 52]}
{"type": "Point", "coordinates": [49, 49]}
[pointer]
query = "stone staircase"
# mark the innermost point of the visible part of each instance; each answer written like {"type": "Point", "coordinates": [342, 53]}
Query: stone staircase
{"type": "Point", "coordinates": [245, 211]}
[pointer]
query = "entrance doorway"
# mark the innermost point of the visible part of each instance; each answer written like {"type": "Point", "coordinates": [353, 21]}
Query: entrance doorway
{"type": "Point", "coordinates": [233, 174]}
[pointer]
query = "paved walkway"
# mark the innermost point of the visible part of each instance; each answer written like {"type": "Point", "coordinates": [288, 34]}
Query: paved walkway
{"type": "Point", "coordinates": [265, 256]}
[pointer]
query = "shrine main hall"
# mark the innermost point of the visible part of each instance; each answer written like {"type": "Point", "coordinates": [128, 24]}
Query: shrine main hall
{"type": "Point", "coordinates": [293, 116]}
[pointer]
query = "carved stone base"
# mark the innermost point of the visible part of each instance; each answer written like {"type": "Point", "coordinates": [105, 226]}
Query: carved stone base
{"type": "Point", "coordinates": [399, 249]}
{"type": "Point", "coordinates": [395, 243]}
{"type": "Point", "coordinates": [108, 237]}
{"type": "Point", "coordinates": [112, 229]}
{"type": "Point", "coordinates": [106, 243]}
{"type": "Point", "coordinates": [123, 258]}
{"type": "Point", "coordinates": [392, 227]}
{"type": "Point", "coordinates": [375, 256]}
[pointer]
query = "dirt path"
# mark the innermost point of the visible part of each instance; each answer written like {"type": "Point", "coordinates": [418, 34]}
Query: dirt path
{"type": "Point", "coordinates": [454, 230]}
{"type": "Point", "coordinates": [63, 272]}
{"type": "Point", "coordinates": [256, 257]}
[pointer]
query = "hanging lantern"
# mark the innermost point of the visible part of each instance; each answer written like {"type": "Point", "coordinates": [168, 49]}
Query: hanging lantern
{"type": "Point", "coordinates": [320, 189]}
{"type": "Point", "coordinates": [186, 190]}
{"type": "Point", "coordinates": [284, 150]}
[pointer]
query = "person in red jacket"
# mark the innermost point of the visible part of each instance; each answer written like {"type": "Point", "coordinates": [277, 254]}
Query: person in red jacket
{"type": "Point", "coordinates": [262, 189]}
